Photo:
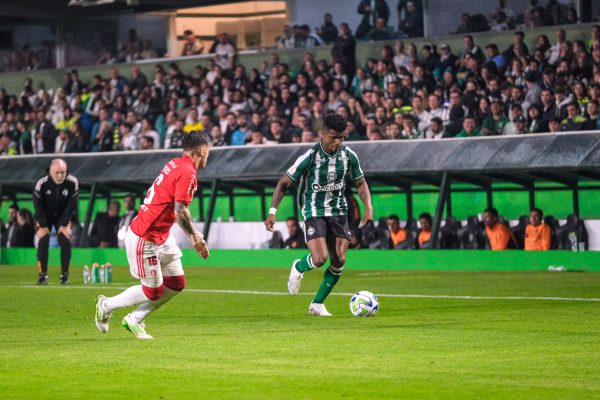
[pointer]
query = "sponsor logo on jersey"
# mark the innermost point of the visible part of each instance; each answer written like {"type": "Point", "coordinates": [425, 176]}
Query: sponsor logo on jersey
{"type": "Point", "coordinates": [331, 176]}
{"type": "Point", "coordinates": [65, 192]}
{"type": "Point", "coordinates": [329, 187]}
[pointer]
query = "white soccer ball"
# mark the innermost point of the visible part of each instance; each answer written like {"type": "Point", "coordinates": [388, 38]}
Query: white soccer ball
{"type": "Point", "coordinates": [364, 304]}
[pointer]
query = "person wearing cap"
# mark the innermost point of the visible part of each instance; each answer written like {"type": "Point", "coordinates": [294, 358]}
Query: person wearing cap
{"type": "Point", "coordinates": [574, 121]}
{"type": "Point", "coordinates": [520, 125]}
{"type": "Point", "coordinates": [469, 128]}
{"type": "Point", "coordinates": [494, 124]}
{"type": "Point", "coordinates": [515, 111]}
{"type": "Point", "coordinates": [447, 60]}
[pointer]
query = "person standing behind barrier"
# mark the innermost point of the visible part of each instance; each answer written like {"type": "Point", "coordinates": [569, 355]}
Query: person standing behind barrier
{"type": "Point", "coordinates": [55, 199]}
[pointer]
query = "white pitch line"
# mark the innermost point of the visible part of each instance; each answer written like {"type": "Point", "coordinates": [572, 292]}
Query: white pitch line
{"type": "Point", "coordinates": [403, 296]}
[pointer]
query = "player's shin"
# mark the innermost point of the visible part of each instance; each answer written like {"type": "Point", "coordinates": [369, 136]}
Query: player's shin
{"type": "Point", "coordinates": [330, 278]}
{"type": "Point", "coordinates": [305, 264]}
{"type": "Point", "coordinates": [173, 286]}
{"type": "Point", "coordinates": [130, 297]}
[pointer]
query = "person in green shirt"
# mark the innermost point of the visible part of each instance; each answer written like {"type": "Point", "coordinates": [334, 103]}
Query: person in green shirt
{"type": "Point", "coordinates": [494, 124]}
{"type": "Point", "coordinates": [469, 128]}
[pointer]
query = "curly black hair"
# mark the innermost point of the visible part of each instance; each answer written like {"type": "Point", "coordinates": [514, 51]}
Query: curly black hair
{"type": "Point", "coordinates": [335, 122]}
{"type": "Point", "coordinates": [195, 139]}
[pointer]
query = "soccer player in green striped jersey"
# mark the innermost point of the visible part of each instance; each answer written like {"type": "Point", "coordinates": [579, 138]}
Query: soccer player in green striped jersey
{"type": "Point", "coordinates": [321, 173]}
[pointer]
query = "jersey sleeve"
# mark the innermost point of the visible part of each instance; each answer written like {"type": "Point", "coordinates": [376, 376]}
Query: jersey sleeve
{"type": "Point", "coordinates": [355, 171]}
{"type": "Point", "coordinates": [185, 187]}
{"type": "Point", "coordinates": [300, 166]}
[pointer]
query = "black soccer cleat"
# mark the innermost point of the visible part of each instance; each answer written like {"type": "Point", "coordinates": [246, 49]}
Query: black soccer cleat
{"type": "Point", "coordinates": [64, 279]}
{"type": "Point", "coordinates": [42, 279]}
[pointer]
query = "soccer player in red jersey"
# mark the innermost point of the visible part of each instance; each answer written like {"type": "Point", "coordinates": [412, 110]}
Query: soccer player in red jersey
{"type": "Point", "coordinates": [153, 255]}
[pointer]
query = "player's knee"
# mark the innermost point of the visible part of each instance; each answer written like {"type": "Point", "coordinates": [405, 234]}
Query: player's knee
{"type": "Point", "coordinates": [63, 241]}
{"type": "Point", "coordinates": [44, 241]}
{"type": "Point", "coordinates": [319, 260]}
{"type": "Point", "coordinates": [153, 293]}
{"type": "Point", "coordinates": [176, 283]}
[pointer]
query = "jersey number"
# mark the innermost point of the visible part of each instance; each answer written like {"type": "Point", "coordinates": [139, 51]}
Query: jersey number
{"type": "Point", "coordinates": [150, 194]}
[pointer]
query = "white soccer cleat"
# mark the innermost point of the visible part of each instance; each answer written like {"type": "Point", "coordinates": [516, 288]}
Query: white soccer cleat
{"type": "Point", "coordinates": [137, 328]}
{"type": "Point", "coordinates": [295, 279]}
{"type": "Point", "coordinates": [318, 309]}
{"type": "Point", "coordinates": [102, 316]}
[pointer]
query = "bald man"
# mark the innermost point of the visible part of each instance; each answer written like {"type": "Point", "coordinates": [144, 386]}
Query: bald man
{"type": "Point", "coordinates": [55, 199]}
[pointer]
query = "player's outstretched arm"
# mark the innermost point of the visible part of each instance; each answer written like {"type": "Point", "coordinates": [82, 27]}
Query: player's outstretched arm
{"type": "Point", "coordinates": [282, 186]}
{"type": "Point", "coordinates": [184, 219]}
{"type": "Point", "coordinates": [365, 196]}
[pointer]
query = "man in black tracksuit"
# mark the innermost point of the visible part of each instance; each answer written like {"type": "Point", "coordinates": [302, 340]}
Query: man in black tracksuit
{"type": "Point", "coordinates": [55, 198]}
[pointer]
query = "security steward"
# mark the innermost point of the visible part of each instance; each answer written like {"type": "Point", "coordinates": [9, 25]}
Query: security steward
{"type": "Point", "coordinates": [55, 199]}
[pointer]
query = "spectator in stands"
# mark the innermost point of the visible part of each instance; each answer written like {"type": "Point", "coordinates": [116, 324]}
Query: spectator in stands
{"type": "Point", "coordinates": [241, 135]}
{"type": "Point", "coordinates": [494, 124]}
{"type": "Point", "coordinates": [344, 51]}
{"type": "Point", "coordinates": [224, 52]}
{"type": "Point", "coordinates": [296, 236]}
{"type": "Point", "coordinates": [436, 129]}
{"type": "Point", "coordinates": [573, 121]}
{"type": "Point", "coordinates": [288, 41]}
{"type": "Point", "coordinates": [129, 141]}
{"type": "Point", "coordinates": [499, 236]}
{"type": "Point", "coordinates": [500, 22]}
{"type": "Point", "coordinates": [105, 228]}
{"type": "Point", "coordinates": [412, 23]}
{"type": "Point", "coordinates": [130, 214]}
{"type": "Point", "coordinates": [593, 115]}
{"type": "Point", "coordinates": [538, 235]}
{"type": "Point", "coordinates": [148, 131]}
{"type": "Point", "coordinates": [554, 125]}
{"type": "Point", "coordinates": [328, 30]}
{"type": "Point", "coordinates": [469, 128]}
{"type": "Point", "coordinates": [472, 49]}
{"type": "Point", "coordinates": [379, 31]}
{"type": "Point", "coordinates": [192, 45]}
{"type": "Point", "coordinates": [424, 236]}
{"type": "Point", "coordinates": [371, 10]}
{"type": "Point", "coordinates": [534, 120]}
{"type": "Point", "coordinates": [398, 235]}
{"type": "Point", "coordinates": [146, 142]}
{"type": "Point", "coordinates": [218, 138]}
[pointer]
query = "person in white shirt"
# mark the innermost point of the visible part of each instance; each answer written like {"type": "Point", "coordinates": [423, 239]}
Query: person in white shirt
{"type": "Point", "coordinates": [225, 52]}
{"type": "Point", "coordinates": [420, 113]}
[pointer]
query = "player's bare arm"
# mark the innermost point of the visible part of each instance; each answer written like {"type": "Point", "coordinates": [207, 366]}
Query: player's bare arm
{"type": "Point", "coordinates": [283, 185]}
{"type": "Point", "coordinates": [365, 196]}
{"type": "Point", "coordinates": [184, 219]}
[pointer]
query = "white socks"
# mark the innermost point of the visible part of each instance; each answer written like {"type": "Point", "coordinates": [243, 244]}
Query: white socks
{"type": "Point", "coordinates": [148, 307]}
{"type": "Point", "coordinates": [130, 297]}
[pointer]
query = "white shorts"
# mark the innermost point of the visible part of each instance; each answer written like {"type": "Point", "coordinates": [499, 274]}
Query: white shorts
{"type": "Point", "coordinates": [149, 261]}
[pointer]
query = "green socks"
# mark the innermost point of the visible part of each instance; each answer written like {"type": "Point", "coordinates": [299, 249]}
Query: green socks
{"type": "Point", "coordinates": [305, 264]}
{"type": "Point", "coordinates": [329, 281]}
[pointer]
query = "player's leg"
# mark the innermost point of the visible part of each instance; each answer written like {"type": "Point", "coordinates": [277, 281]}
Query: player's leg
{"type": "Point", "coordinates": [65, 255]}
{"type": "Point", "coordinates": [173, 280]}
{"type": "Point", "coordinates": [337, 244]}
{"type": "Point", "coordinates": [42, 259]}
{"type": "Point", "coordinates": [144, 265]}
{"type": "Point", "coordinates": [315, 232]}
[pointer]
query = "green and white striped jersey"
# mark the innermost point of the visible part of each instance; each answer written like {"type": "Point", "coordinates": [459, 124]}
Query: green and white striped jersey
{"type": "Point", "coordinates": [322, 180]}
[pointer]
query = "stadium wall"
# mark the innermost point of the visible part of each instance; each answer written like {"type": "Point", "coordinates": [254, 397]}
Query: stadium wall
{"type": "Point", "coordinates": [391, 260]}
{"type": "Point", "coordinates": [52, 79]}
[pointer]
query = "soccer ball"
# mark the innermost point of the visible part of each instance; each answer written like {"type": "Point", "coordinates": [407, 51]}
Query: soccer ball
{"type": "Point", "coordinates": [364, 304]}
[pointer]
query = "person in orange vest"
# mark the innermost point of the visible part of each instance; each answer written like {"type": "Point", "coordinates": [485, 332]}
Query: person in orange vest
{"type": "Point", "coordinates": [397, 233]}
{"type": "Point", "coordinates": [538, 235]}
{"type": "Point", "coordinates": [425, 233]}
{"type": "Point", "coordinates": [499, 235]}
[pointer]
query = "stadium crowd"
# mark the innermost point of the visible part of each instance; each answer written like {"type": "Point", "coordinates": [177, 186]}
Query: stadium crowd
{"type": "Point", "coordinates": [404, 94]}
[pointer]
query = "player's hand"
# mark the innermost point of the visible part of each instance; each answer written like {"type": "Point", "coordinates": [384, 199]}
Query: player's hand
{"type": "Point", "coordinates": [200, 245]}
{"type": "Point", "coordinates": [66, 231]}
{"type": "Point", "coordinates": [42, 232]}
{"type": "Point", "coordinates": [270, 223]}
{"type": "Point", "coordinates": [367, 216]}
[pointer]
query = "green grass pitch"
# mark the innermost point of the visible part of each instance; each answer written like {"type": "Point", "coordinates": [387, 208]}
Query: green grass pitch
{"type": "Point", "coordinates": [264, 346]}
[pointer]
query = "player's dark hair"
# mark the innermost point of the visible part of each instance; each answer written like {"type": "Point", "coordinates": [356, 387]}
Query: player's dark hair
{"type": "Point", "coordinates": [426, 216]}
{"type": "Point", "coordinates": [293, 219]}
{"type": "Point", "coordinates": [335, 122]}
{"type": "Point", "coordinates": [394, 217]}
{"type": "Point", "coordinates": [537, 210]}
{"type": "Point", "coordinates": [492, 211]}
{"type": "Point", "coordinates": [195, 139]}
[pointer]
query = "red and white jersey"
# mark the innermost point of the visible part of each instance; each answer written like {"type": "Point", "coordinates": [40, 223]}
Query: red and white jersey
{"type": "Point", "coordinates": [177, 182]}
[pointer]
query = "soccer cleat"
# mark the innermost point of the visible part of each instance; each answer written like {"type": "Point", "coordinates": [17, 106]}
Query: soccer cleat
{"type": "Point", "coordinates": [64, 279]}
{"type": "Point", "coordinates": [318, 309]}
{"type": "Point", "coordinates": [295, 279]}
{"type": "Point", "coordinates": [102, 316]}
{"type": "Point", "coordinates": [42, 279]}
{"type": "Point", "coordinates": [138, 329]}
